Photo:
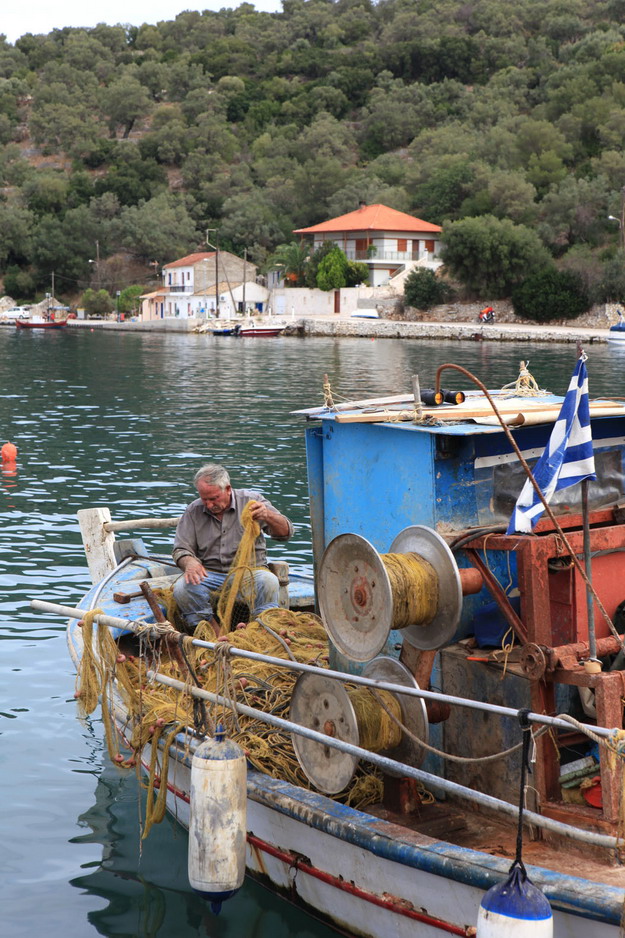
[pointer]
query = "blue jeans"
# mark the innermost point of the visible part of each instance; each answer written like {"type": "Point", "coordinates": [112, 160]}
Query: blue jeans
{"type": "Point", "coordinates": [260, 590]}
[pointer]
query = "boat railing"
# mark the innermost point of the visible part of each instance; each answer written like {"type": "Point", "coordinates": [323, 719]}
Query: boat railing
{"type": "Point", "coordinates": [152, 631]}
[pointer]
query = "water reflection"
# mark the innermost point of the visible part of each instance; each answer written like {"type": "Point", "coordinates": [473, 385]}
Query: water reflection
{"type": "Point", "coordinates": [153, 897]}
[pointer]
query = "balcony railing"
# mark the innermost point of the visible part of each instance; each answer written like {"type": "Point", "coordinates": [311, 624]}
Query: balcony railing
{"type": "Point", "coordinates": [387, 255]}
{"type": "Point", "coordinates": [180, 287]}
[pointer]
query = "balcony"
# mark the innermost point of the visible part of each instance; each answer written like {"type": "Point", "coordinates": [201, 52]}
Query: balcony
{"type": "Point", "coordinates": [180, 287]}
{"type": "Point", "coordinates": [395, 256]}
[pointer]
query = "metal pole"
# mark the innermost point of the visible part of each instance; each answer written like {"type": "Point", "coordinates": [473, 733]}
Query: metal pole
{"type": "Point", "coordinates": [244, 276]}
{"type": "Point", "coordinates": [391, 765]}
{"type": "Point", "coordinates": [216, 250]}
{"type": "Point", "coordinates": [590, 602]}
{"type": "Point", "coordinates": [133, 626]}
{"type": "Point", "coordinates": [622, 222]}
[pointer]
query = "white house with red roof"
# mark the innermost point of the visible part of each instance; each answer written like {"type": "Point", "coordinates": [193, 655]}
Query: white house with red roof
{"type": "Point", "coordinates": [386, 240]}
{"type": "Point", "coordinates": [203, 284]}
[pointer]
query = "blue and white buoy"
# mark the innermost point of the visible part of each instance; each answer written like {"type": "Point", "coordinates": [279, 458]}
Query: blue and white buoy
{"type": "Point", "coordinates": [217, 824]}
{"type": "Point", "coordinates": [515, 909]}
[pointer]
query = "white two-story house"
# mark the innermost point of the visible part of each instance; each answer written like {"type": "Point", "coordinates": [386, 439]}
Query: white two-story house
{"type": "Point", "coordinates": [381, 237]}
{"type": "Point", "coordinates": [207, 283]}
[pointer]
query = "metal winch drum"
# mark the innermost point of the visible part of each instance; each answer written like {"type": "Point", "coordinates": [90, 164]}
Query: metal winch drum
{"type": "Point", "coordinates": [356, 598]}
{"type": "Point", "coordinates": [323, 704]}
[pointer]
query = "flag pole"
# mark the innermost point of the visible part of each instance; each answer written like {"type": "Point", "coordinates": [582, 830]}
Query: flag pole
{"type": "Point", "coordinates": [590, 602]}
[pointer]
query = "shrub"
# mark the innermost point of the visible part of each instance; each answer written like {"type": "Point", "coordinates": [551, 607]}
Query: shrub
{"type": "Point", "coordinates": [550, 294]}
{"type": "Point", "coordinates": [423, 289]}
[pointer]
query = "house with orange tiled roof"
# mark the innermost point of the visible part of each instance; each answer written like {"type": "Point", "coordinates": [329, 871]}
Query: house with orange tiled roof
{"type": "Point", "coordinates": [203, 284]}
{"type": "Point", "coordinates": [387, 240]}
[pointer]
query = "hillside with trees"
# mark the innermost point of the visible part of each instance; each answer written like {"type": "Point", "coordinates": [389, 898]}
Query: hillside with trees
{"type": "Point", "coordinates": [500, 119]}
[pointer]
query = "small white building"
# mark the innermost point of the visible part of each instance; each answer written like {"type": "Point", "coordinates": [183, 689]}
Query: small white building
{"type": "Point", "coordinates": [199, 284]}
{"type": "Point", "coordinates": [381, 237]}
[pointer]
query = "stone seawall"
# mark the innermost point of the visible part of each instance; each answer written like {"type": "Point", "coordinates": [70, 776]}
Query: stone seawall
{"type": "Point", "coordinates": [341, 327]}
{"type": "Point", "coordinates": [435, 331]}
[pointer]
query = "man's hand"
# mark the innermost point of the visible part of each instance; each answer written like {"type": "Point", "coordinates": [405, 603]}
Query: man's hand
{"type": "Point", "coordinates": [194, 571]}
{"type": "Point", "coordinates": [277, 525]}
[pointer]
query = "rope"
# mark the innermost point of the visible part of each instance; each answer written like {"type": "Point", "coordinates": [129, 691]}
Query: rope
{"type": "Point", "coordinates": [525, 385]}
{"type": "Point", "coordinates": [525, 768]}
{"type": "Point", "coordinates": [328, 400]}
{"type": "Point", "coordinates": [447, 755]}
{"type": "Point", "coordinates": [379, 729]}
{"type": "Point", "coordinates": [414, 585]}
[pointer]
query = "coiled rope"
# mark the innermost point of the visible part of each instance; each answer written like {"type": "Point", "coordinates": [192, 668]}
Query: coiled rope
{"type": "Point", "coordinates": [414, 586]}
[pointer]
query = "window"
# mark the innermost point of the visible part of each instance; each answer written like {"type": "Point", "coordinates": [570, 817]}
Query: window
{"type": "Point", "coordinates": [429, 246]}
{"type": "Point", "coordinates": [402, 244]}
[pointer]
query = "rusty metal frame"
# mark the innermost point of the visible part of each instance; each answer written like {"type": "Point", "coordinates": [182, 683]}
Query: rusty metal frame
{"type": "Point", "coordinates": [564, 662]}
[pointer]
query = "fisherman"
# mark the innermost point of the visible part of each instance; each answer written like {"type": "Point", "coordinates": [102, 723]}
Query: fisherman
{"type": "Point", "coordinates": [207, 537]}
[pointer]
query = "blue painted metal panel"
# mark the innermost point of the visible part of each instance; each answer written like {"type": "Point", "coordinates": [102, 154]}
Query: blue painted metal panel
{"type": "Point", "coordinates": [377, 480]}
{"type": "Point", "coordinates": [314, 464]}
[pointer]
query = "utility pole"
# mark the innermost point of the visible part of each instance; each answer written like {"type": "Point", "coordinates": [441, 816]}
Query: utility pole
{"type": "Point", "coordinates": [622, 222]}
{"type": "Point", "coordinates": [244, 276]}
{"type": "Point", "coordinates": [216, 250]}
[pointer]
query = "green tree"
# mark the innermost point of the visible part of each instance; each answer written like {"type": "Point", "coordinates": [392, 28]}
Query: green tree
{"type": "Point", "coordinates": [124, 102]}
{"type": "Point", "coordinates": [332, 272]}
{"type": "Point", "coordinates": [291, 260]}
{"type": "Point", "coordinates": [128, 300]}
{"type": "Point", "coordinates": [356, 273]}
{"type": "Point", "coordinates": [97, 302]}
{"type": "Point", "coordinates": [159, 229]}
{"type": "Point", "coordinates": [612, 283]}
{"type": "Point", "coordinates": [550, 294]}
{"type": "Point", "coordinates": [490, 255]}
{"type": "Point", "coordinates": [423, 289]}
{"type": "Point", "coordinates": [19, 283]}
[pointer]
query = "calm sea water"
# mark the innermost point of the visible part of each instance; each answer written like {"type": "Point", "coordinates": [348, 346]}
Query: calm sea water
{"type": "Point", "coordinates": [124, 421]}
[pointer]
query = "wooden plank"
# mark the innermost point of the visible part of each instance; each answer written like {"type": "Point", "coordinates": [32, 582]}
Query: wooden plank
{"type": "Point", "coordinates": [530, 415]}
{"type": "Point", "coordinates": [98, 542]}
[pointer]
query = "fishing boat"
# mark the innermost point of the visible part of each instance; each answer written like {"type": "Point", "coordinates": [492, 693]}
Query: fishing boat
{"type": "Point", "coordinates": [260, 332]}
{"type": "Point", "coordinates": [485, 635]}
{"type": "Point", "coordinates": [40, 322]}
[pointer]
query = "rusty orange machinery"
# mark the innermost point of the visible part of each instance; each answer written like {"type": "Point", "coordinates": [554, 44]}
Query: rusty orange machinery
{"type": "Point", "coordinates": [552, 630]}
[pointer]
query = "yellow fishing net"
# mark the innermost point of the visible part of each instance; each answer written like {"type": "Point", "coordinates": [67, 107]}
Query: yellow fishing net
{"type": "Point", "coordinates": [155, 714]}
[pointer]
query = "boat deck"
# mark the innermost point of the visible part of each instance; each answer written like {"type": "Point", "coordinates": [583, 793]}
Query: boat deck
{"type": "Point", "coordinates": [461, 825]}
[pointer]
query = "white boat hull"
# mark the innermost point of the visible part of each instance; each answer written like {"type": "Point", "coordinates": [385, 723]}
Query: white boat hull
{"type": "Point", "coordinates": [372, 878]}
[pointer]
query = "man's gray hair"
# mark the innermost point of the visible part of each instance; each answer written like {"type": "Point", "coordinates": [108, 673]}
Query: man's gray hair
{"type": "Point", "coordinates": [213, 474]}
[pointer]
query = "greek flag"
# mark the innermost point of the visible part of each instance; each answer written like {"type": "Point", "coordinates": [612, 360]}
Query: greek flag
{"type": "Point", "coordinates": [568, 457]}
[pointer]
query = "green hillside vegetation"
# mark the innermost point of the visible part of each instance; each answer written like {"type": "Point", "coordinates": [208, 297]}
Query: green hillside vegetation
{"type": "Point", "coordinates": [507, 115]}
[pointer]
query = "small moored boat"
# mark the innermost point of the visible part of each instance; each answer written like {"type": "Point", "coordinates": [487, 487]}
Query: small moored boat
{"type": "Point", "coordinates": [616, 332]}
{"type": "Point", "coordinates": [260, 332]}
{"type": "Point", "coordinates": [37, 322]}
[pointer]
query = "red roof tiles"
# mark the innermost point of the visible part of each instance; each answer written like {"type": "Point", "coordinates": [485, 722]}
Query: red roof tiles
{"type": "Point", "coordinates": [190, 260]}
{"type": "Point", "coordinates": [372, 218]}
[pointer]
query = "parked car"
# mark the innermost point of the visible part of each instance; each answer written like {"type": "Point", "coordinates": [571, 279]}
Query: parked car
{"type": "Point", "coordinates": [15, 312]}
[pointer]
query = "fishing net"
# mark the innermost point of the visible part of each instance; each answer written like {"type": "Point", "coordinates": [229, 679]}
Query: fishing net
{"type": "Point", "coordinates": [156, 714]}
